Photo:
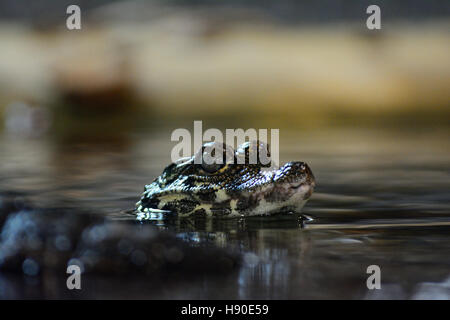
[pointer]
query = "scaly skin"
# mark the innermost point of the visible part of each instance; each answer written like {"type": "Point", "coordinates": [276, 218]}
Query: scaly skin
{"type": "Point", "coordinates": [229, 190]}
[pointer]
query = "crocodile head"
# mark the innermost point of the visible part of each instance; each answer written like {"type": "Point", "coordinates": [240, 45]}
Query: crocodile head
{"type": "Point", "coordinates": [234, 186]}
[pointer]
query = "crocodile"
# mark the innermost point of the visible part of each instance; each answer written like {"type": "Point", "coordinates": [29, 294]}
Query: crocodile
{"type": "Point", "coordinates": [230, 186]}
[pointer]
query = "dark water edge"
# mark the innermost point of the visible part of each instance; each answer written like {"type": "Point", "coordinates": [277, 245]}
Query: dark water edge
{"type": "Point", "coordinates": [382, 198]}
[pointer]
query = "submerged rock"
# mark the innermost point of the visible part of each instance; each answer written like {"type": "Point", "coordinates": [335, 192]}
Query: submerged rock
{"type": "Point", "coordinates": [36, 240]}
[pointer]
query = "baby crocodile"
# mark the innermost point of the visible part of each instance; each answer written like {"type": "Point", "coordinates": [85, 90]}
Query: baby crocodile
{"type": "Point", "coordinates": [232, 187]}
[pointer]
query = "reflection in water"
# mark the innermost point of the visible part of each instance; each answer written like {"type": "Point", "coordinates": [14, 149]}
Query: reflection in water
{"type": "Point", "coordinates": [382, 198]}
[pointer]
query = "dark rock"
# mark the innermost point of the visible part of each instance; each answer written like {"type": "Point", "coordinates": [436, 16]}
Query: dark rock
{"type": "Point", "coordinates": [34, 240]}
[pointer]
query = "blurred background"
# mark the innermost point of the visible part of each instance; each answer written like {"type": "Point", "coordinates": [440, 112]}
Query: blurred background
{"type": "Point", "coordinates": [86, 118]}
{"type": "Point", "coordinates": [312, 62]}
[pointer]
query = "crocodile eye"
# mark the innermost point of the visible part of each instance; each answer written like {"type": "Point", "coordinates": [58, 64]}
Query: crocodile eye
{"type": "Point", "coordinates": [211, 168]}
{"type": "Point", "coordinates": [213, 156]}
{"type": "Point", "coordinates": [254, 152]}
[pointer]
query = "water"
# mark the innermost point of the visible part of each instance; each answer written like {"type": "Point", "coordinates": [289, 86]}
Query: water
{"type": "Point", "coordinates": [382, 198]}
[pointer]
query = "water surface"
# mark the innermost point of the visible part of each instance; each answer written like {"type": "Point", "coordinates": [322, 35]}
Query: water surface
{"type": "Point", "coordinates": [382, 197]}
